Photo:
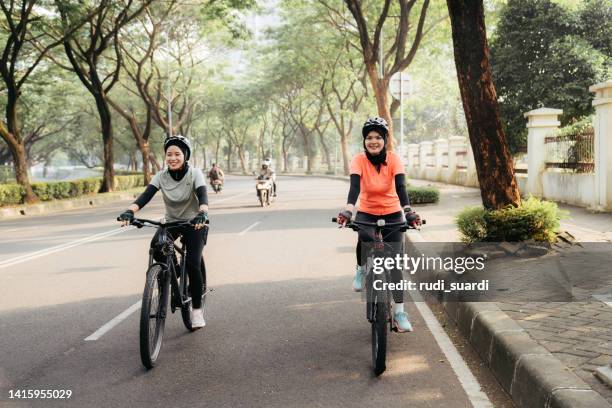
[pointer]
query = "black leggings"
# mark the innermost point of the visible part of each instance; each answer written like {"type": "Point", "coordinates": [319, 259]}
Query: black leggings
{"type": "Point", "coordinates": [194, 245]}
{"type": "Point", "coordinates": [389, 235]}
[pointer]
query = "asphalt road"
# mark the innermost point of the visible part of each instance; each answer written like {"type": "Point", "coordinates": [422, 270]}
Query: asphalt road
{"type": "Point", "coordinates": [283, 326]}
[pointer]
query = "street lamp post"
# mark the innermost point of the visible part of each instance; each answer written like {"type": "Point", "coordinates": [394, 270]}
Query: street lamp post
{"type": "Point", "coordinates": [399, 88]}
{"type": "Point", "coordinates": [169, 86]}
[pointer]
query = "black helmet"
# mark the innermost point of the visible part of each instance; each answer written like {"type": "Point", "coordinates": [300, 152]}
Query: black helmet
{"type": "Point", "coordinates": [375, 123]}
{"type": "Point", "coordinates": [181, 142]}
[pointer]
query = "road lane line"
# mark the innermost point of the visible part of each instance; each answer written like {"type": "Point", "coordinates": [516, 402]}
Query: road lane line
{"type": "Point", "coordinates": [253, 225]}
{"type": "Point", "coordinates": [115, 321]}
{"type": "Point", "coordinates": [469, 383]}
{"type": "Point", "coordinates": [58, 248]}
{"type": "Point", "coordinates": [47, 251]}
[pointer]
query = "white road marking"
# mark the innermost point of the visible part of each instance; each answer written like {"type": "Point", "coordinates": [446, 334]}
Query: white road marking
{"type": "Point", "coordinates": [58, 248]}
{"type": "Point", "coordinates": [607, 298]}
{"type": "Point", "coordinates": [469, 383]}
{"type": "Point", "coordinates": [47, 251]}
{"type": "Point", "coordinates": [115, 321]}
{"type": "Point", "coordinates": [253, 225]}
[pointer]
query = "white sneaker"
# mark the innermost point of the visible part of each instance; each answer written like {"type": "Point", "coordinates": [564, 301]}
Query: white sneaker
{"type": "Point", "coordinates": [197, 318]}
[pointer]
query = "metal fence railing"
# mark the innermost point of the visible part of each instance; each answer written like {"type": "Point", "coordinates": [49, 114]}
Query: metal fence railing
{"type": "Point", "coordinates": [574, 152]}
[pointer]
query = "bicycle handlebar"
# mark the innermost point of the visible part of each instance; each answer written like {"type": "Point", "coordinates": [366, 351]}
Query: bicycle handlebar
{"type": "Point", "coordinates": [354, 225]}
{"type": "Point", "coordinates": [140, 222]}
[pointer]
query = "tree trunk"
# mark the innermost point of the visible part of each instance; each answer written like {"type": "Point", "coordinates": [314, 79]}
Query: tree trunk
{"type": "Point", "coordinates": [240, 148]}
{"type": "Point", "coordinates": [326, 152]}
{"type": "Point", "coordinates": [345, 152]}
{"type": "Point", "coordinates": [107, 138]}
{"type": "Point", "coordinates": [229, 156]}
{"type": "Point", "coordinates": [12, 137]}
{"type": "Point", "coordinates": [285, 160]}
{"type": "Point", "coordinates": [21, 172]}
{"type": "Point", "coordinates": [154, 163]}
{"type": "Point", "coordinates": [494, 165]}
{"type": "Point", "coordinates": [145, 152]}
{"type": "Point", "coordinates": [217, 149]}
{"type": "Point", "coordinates": [395, 104]}
{"type": "Point", "coordinates": [306, 137]}
{"type": "Point", "coordinates": [381, 91]}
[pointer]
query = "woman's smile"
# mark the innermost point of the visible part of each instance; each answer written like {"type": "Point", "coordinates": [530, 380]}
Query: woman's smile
{"type": "Point", "coordinates": [374, 142]}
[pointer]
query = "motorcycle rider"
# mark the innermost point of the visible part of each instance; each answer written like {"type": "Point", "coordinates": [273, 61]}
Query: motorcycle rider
{"type": "Point", "coordinates": [378, 180]}
{"type": "Point", "coordinates": [267, 173]}
{"type": "Point", "coordinates": [216, 173]}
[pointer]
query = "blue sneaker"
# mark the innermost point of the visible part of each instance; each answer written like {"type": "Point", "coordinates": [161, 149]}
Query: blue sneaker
{"type": "Point", "coordinates": [402, 323]}
{"type": "Point", "coordinates": [359, 277]}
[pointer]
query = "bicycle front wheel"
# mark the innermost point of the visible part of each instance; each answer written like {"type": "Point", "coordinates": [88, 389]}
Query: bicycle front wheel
{"type": "Point", "coordinates": [379, 337]}
{"type": "Point", "coordinates": [153, 315]}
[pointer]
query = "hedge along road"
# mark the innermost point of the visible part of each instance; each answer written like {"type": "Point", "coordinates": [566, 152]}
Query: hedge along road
{"type": "Point", "coordinates": [283, 327]}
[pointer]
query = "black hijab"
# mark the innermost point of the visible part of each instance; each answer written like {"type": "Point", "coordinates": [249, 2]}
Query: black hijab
{"type": "Point", "coordinates": [381, 158]}
{"type": "Point", "coordinates": [177, 175]}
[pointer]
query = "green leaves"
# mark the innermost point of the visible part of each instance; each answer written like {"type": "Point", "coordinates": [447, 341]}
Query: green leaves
{"type": "Point", "coordinates": [545, 55]}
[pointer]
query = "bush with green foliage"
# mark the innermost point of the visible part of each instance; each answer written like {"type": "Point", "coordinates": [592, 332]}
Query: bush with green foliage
{"type": "Point", "coordinates": [12, 194]}
{"type": "Point", "coordinates": [423, 195]}
{"type": "Point", "coordinates": [534, 219]}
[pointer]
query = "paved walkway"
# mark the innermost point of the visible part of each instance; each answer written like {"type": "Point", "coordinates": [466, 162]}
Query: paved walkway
{"type": "Point", "coordinates": [579, 334]}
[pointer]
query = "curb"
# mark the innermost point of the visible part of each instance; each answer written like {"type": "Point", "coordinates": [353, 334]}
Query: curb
{"type": "Point", "coordinates": [530, 374]}
{"type": "Point", "coordinates": [61, 205]}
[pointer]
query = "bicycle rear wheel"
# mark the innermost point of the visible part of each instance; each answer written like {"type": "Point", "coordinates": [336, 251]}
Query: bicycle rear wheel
{"type": "Point", "coordinates": [153, 315]}
{"type": "Point", "coordinates": [379, 337]}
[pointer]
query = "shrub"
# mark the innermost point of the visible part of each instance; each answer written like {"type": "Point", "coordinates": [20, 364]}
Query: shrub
{"type": "Point", "coordinates": [91, 185]}
{"type": "Point", "coordinates": [11, 194]}
{"type": "Point", "coordinates": [127, 173]}
{"type": "Point", "coordinates": [41, 190]}
{"type": "Point", "coordinates": [472, 225]}
{"type": "Point", "coordinates": [533, 219]}
{"type": "Point", "coordinates": [14, 193]}
{"type": "Point", "coordinates": [423, 195]}
{"type": "Point", "coordinates": [127, 182]}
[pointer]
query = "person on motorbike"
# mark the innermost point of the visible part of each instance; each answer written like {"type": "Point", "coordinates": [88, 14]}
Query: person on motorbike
{"type": "Point", "coordinates": [216, 174]}
{"type": "Point", "coordinates": [267, 173]}
{"type": "Point", "coordinates": [378, 179]}
{"type": "Point", "coordinates": [184, 192]}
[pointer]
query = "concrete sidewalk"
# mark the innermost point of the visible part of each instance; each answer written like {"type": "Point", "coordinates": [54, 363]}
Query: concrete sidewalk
{"type": "Point", "coordinates": [543, 353]}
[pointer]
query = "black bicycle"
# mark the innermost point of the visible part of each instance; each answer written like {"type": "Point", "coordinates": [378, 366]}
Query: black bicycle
{"type": "Point", "coordinates": [166, 279]}
{"type": "Point", "coordinates": [378, 302]}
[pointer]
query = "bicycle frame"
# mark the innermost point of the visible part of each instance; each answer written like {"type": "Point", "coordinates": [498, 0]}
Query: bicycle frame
{"type": "Point", "coordinates": [377, 250]}
{"type": "Point", "coordinates": [169, 249]}
{"type": "Point", "coordinates": [374, 296]}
